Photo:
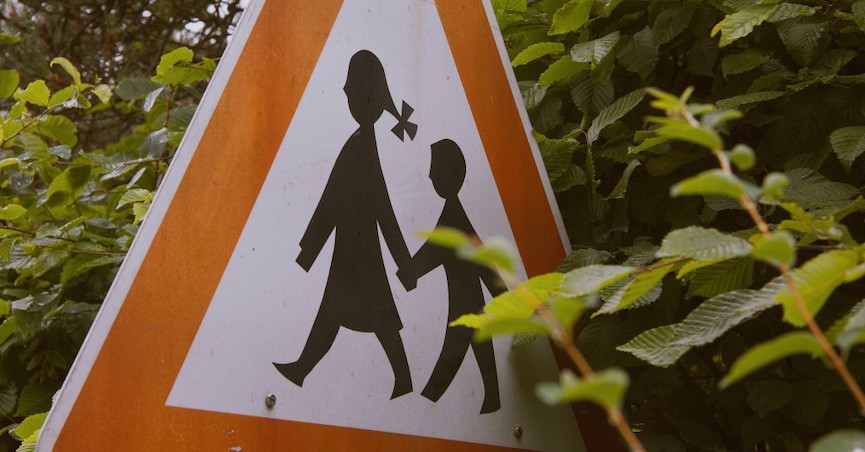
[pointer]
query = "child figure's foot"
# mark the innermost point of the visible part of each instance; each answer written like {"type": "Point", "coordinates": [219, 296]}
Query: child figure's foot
{"type": "Point", "coordinates": [291, 372]}
{"type": "Point", "coordinates": [490, 405]}
{"type": "Point", "coordinates": [401, 388]}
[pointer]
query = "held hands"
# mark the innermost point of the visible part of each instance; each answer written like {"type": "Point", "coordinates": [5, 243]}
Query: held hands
{"type": "Point", "coordinates": [407, 277]}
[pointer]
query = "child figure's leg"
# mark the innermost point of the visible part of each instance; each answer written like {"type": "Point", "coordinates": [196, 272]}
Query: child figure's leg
{"type": "Point", "coordinates": [457, 340]}
{"type": "Point", "coordinates": [320, 339]}
{"type": "Point", "coordinates": [486, 358]}
{"type": "Point", "coordinates": [391, 341]}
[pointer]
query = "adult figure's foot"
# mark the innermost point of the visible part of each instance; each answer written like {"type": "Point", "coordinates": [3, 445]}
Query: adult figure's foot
{"type": "Point", "coordinates": [490, 405]}
{"type": "Point", "coordinates": [401, 388]}
{"type": "Point", "coordinates": [291, 372]}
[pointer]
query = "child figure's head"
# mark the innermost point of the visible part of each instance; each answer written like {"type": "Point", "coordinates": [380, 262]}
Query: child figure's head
{"type": "Point", "coordinates": [366, 89]}
{"type": "Point", "coordinates": [447, 169]}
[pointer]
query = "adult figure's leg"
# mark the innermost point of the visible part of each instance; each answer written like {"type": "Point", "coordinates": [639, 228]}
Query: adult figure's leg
{"type": "Point", "coordinates": [391, 341]}
{"type": "Point", "coordinates": [486, 358]}
{"type": "Point", "coordinates": [457, 340]}
{"type": "Point", "coordinates": [320, 339]}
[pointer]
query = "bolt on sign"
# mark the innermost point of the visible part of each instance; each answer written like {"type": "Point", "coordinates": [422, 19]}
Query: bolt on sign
{"type": "Point", "coordinates": [278, 296]}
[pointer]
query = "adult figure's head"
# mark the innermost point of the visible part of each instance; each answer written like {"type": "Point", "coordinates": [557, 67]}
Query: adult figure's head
{"type": "Point", "coordinates": [447, 169]}
{"type": "Point", "coordinates": [366, 89]}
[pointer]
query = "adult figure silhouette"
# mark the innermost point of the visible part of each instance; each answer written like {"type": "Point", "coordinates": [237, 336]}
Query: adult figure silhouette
{"type": "Point", "coordinates": [356, 205]}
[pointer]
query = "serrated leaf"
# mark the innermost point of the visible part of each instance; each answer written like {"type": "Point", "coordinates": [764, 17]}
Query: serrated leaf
{"type": "Point", "coordinates": [802, 38]}
{"type": "Point", "coordinates": [9, 80]}
{"type": "Point", "coordinates": [596, 50]}
{"type": "Point", "coordinates": [589, 95]}
{"type": "Point", "coordinates": [642, 284]}
{"type": "Point", "coordinates": [36, 93]}
{"type": "Point", "coordinates": [670, 23]}
{"type": "Point", "coordinates": [759, 356]}
{"type": "Point", "coordinates": [737, 63]}
{"type": "Point", "coordinates": [816, 280]}
{"type": "Point", "coordinates": [582, 258]}
{"type": "Point", "coordinates": [621, 187]}
{"type": "Point", "coordinates": [605, 388]}
{"type": "Point", "coordinates": [136, 88]}
{"type": "Point", "coordinates": [812, 191]}
{"type": "Point", "coordinates": [8, 397]}
{"type": "Point", "coordinates": [638, 54]}
{"type": "Point", "coordinates": [849, 331]}
{"type": "Point", "coordinates": [592, 278]}
{"type": "Point", "coordinates": [703, 244]}
{"type": "Point", "coordinates": [614, 112]}
{"type": "Point", "coordinates": [654, 346]}
{"type": "Point", "coordinates": [537, 50]}
{"type": "Point", "coordinates": [36, 397]}
{"type": "Point", "coordinates": [572, 16]}
{"type": "Point", "coordinates": [69, 68]}
{"type": "Point", "coordinates": [848, 144]}
{"type": "Point", "coordinates": [83, 263]}
{"type": "Point", "coordinates": [59, 128]}
{"type": "Point", "coordinates": [787, 10]}
{"type": "Point", "coordinates": [777, 249]}
{"type": "Point", "coordinates": [741, 23]}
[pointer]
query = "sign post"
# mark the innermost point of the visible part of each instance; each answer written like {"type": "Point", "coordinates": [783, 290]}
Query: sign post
{"type": "Point", "coordinates": [277, 295]}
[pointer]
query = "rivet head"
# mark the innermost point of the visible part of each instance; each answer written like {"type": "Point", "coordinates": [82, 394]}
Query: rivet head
{"type": "Point", "coordinates": [518, 431]}
{"type": "Point", "coordinates": [270, 400]}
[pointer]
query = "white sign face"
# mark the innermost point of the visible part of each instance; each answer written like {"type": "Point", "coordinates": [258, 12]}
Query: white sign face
{"type": "Point", "coordinates": [310, 306]}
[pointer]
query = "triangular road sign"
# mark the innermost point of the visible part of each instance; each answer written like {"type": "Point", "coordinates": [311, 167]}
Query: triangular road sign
{"type": "Point", "coordinates": [269, 300]}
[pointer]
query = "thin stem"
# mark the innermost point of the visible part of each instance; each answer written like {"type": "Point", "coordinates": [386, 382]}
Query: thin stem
{"type": "Point", "coordinates": [798, 301]}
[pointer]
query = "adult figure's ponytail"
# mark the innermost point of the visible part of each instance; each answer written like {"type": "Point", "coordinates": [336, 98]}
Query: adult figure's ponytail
{"type": "Point", "coordinates": [369, 95]}
{"type": "Point", "coordinates": [403, 126]}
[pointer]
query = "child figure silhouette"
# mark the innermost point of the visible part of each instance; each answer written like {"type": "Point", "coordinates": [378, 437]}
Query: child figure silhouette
{"type": "Point", "coordinates": [465, 294]}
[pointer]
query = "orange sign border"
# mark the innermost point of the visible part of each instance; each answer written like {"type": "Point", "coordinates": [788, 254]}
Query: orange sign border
{"type": "Point", "coordinates": [143, 352]}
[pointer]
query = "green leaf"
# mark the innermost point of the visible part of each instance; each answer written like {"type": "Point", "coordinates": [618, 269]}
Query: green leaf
{"type": "Point", "coordinates": [590, 95]}
{"type": "Point", "coordinates": [36, 397]}
{"type": "Point", "coordinates": [36, 93]}
{"type": "Point", "coordinates": [742, 23]}
{"type": "Point", "coordinates": [816, 280]}
{"type": "Point", "coordinates": [621, 187]}
{"type": "Point", "coordinates": [69, 68]}
{"type": "Point", "coordinates": [171, 59]}
{"type": "Point", "coordinates": [175, 68]}
{"type": "Point", "coordinates": [703, 244]}
{"type": "Point", "coordinates": [849, 331]}
{"type": "Point", "coordinates": [614, 112]}
{"type": "Point", "coordinates": [759, 356]}
{"type": "Point", "coordinates": [655, 346]}
{"type": "Point", "coordinates": [30, 425]}
{"type": "Point", "coordinates": [842, 440]}
{"type": "Point", "coordinates": [103, 92]}
{"type": "Point", "coordinates": [787, 10]}
{"type": "Point", "coordinates": [721, 277]}
{"type": "Point", "coordinates": [638, 54]}
{"type": "Point", "coordinates": [596, 50]}
{"type": "Point", "coordinates": [572, 16]}
{"type": "Point", "coordinates": [774, 185]}
{"type": "Point", "coordinates": [737, 63]}
{"type": "Point", "coordinates": [582, 258]}
{"type": "Point", "coordinates": [142, 195]}
{"type": "Point", "coordinates": [537, 50]}
{"type": "Point", "coordinates": [769, 395]}
{"type": "Point", "coordinates": [59, 128]}
{"type": "Point", "coordinates": [743, 157]}
{"type": "Point", "coordinates": [670, 23]}
{"type": "Point", "coordinates": [563, 69]}
{"type": "Point", "coordinates": [777, 249]}
{"type": "Point", "coordinates": [812, 190]}
{"type": "Point", "coordinates": [591, 279]}
{"type": "Point", "coordinates": [802, 38]}
{"type": "Point", "coordinates": [83, 263]}
{"type": "Point", "coordinates": [8, 398]}
{"type": "Point", "coordinates": [67, 186]}
{"type": "Point", "coordinates": [605, 388]}
{"type": "Point", "coordinates": [136, 88]}
{"type": "Point", "coordinates": [711, 182]}
{"type": "Point", "coordinates": [9, 80]}
{"type": "Point", "coordinates": [11, 212]}
{"type": "Point", "coordinates": [637, 288]}
{"type": "Point", "coordinates": [748, 99]}
{"type": "Point", "coordinates": [6, 40]}
{"type": "Point", "coordinates": [848, 144]}
{"type": "Point", "coordinates": [647, 144]}
{"type": "Point", "coordinates": [140, 209]}
{"type": "Point", "coordinates": [701, 135]}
